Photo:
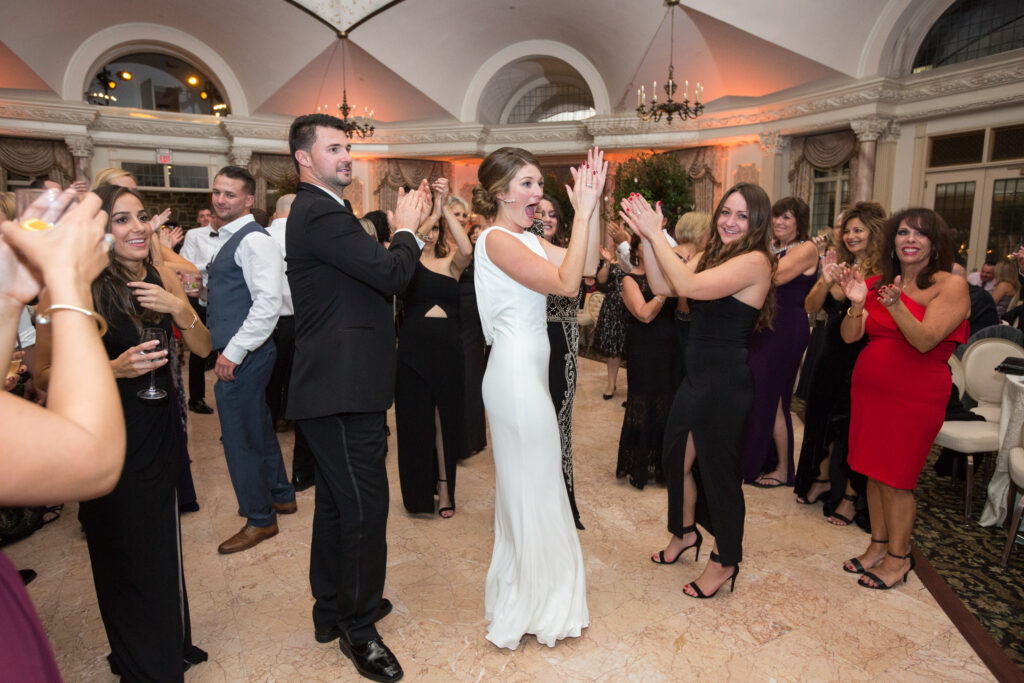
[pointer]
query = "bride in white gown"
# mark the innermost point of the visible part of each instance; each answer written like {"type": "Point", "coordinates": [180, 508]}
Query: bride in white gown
{"type": "Point", "coordinates": [536, 582]}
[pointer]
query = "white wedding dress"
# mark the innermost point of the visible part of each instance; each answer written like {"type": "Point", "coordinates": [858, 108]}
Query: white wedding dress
{"type": "Point", "coordinates": [536, 582]}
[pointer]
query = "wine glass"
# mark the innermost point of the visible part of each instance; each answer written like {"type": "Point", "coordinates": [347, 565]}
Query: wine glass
{"type": "Point", "coordinates": [149, 334]}
{"type": "Point", "coordinates": [41, 209]}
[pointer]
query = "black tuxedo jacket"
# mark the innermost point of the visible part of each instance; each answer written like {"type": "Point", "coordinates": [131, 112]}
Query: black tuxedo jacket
{"type": "Point", "coordinates": [342, 282]}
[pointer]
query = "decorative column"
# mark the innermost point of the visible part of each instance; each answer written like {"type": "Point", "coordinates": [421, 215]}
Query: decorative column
{"type": "Point", "coordinates": [81, 149]}
{"type": "Point", "coordinates": [885, 164]}
{"type": "Point", "coordinates": [240, 156]}
{"type": "Point", "coordinates": [773, 146]}
{"type": "Point", "coordinates": [867, 132]}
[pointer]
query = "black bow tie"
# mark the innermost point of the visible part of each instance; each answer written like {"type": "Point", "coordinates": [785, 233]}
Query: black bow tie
{"type": "Point", "coordinates": [213, 234]}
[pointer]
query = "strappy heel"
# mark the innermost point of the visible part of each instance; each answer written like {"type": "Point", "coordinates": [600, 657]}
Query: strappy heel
{"type": "Point", "coordinates": [804, 500]}
{"type": "Point", "coordinates": [447, 508]}
{"type": "Point", "coordinates": [696, 544]}
{"type": "Point", "coordinates": [881, 585]}
{"type": "Point", "coordinates": [700, 594]}
{"type": "Point", "coordinates": [858, 568]}
{"type": "Point", "coordinates": [846, 521]}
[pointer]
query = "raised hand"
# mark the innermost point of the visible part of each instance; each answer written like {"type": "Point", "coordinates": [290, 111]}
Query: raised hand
{"type": "Point", "coordinates": [617, 233]}
{"type": "Point", "coordinates": [820, 242]}
{"type": "Point", "coordinates": [1018, 256]}
{"type": "Point", "coordinates": [852, 283]}
{"type": "Point", "coordinates": [588, 182]}
{"type": "Point", "coordinates": [829, 259]}
{"type": "Point", "coordinates": [74, 248]}
{"type": "Point", "coordinates": [440, 189]}
{"type": "Point", "coordinates": [641, 217]}
{"type": "Point", "coordinates": [172, 237]}
{"type": "Point", "coordinates": [410, 210]}
{"type": "Point", "coordinates": [157, 221]}
{"type": "Point", "coordinates": [606, 255]}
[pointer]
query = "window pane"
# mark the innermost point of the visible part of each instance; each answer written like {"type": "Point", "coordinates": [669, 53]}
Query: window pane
{"type": "Point", "coordinates": [823, 205]}
{"type": "Point", "coordinates": [965, 148]}
{"type": "Point", "coordinates": [1008, 143]}
{"type": "Point", "coordinates": [970, 29]}
{"type": "Point", "coordinates": [1006, 231]}
{"type": "Point", "coordinates": [955, 203]}
{"type": "Point", "coordinates": [146, 175]}
{"type": "Point", "coordinates": [197, 177]}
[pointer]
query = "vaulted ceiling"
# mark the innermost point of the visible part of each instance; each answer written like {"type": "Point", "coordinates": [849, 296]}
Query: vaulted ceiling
{"type": "Point", "coordinates": [417, 61]}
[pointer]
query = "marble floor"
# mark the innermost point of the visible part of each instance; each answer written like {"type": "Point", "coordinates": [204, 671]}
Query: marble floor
{"type": "Point", "coordinates": [794, 616]}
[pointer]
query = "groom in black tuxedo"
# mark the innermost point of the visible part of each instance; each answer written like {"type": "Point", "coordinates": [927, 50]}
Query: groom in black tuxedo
{"type": "Point", "coordinates": [343, 377]}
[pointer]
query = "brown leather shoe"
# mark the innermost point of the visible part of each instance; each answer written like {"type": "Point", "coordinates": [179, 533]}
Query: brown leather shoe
{"type": "Point", "coordinates": [286, 508]}
{"type": "Point", "coordinates": [247, 538]}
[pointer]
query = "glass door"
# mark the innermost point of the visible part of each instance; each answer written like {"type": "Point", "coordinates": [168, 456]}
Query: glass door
{"type": "Point", "coordinates": [953, 195]}
{"type": "Point", "coordinates": [1002, 218]}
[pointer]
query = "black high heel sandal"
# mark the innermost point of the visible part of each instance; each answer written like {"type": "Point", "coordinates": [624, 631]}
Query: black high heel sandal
{"type": "Point", "coordinates": [804, 500]}
{"type": "Point", "coordinates": [608, 397]}
{"type": "Point", "coordinates": [686, 530]}
{"type": "Point", "coordinates": [447, 508]}
{"type": "Point", "coordinates": [700, 594]}
{"type": "Point", "coordinates": [881, 585]}
{"type": "Point", "coordinates": [858, 568]}
{"type": "Point", "coordinates": [846, 521]}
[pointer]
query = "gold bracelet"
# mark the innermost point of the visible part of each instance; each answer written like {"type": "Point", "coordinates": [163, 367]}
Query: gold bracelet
{"type": "Point", "coordinates": [44, 317]}
{"type": "Point", "coordinates": [195, 319]}
{"type": "Point", "coordinates": [859, 315]}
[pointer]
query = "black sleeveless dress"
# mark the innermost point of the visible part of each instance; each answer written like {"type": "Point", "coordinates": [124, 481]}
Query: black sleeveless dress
{"type": "Point", "coordinates": [430, 375]}
{"type": "Point", "coordinates": [654, 369]}
{"type": "Point", "coordinates": [474, 348]}
{"type": "Point", "coordinates": [713, 404]}
{"type": "Point", "coordinates": [133, 533]}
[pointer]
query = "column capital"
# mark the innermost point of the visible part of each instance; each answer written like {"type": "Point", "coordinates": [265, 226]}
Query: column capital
{"type": "Point", "coordinates": [239, 156]}
{"type": "Point", "coordinates": [80, 145]}
{"type": "Point", "coordinates": [773, 142]}
{"type": "Point", "coordinates": [869, 130]}
{"type": "Point", "coordinates": [891, 132]}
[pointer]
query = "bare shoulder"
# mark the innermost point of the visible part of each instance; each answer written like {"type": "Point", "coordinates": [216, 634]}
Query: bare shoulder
{"type": "Point", "coordinates": [950, 284]}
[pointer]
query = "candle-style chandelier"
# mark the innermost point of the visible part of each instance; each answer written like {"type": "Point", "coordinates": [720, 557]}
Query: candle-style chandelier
{"type": "Point", "coordinates": [361, 126]}
{"type": "Point", "coordinates": [670, 108]}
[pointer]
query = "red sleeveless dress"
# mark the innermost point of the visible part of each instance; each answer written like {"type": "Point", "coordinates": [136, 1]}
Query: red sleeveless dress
{"type": "Point", "coordinates": [898, 397]}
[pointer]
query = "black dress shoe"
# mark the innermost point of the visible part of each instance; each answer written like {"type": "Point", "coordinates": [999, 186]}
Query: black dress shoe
{"type": "Point", "coordinates": [328, 634]}
{"type": "Point", "coordinates": [373, 659]}
{"type": "Point", "coordinates": [302, 483]}
{"type": "Point", "coordinates": [199, 406]}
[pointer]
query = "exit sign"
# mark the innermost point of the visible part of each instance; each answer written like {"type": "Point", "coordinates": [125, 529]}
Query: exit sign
{"type": "Point", "coordinates": [163, 156]}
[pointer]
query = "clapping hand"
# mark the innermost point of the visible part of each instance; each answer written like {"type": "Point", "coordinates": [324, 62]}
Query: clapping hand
{"type": "Point", "coordinates": [617, 233]}
{"type": "Point", "coordinates": [606, 255]}
{"type": "Point", "coordinates": [1018, 256]}
{"type": "Point", "coordinates": [641, 217]}
{"type": "Point", "coordinates": [820, 242]}
{"type": "Point", "coordinates": [171, 237]}
{"type": "Point", "coordinates": [827, 272]}
{"type": "Point", "coordinates": [157, 221]}
{"type": "Point", "coordinates": [889, 295]}
{"type": "Point", "coordinates": [412, 208]}
{"type": "Point", "coordinates": [851, 281]}
{"type": "Point", "coordinates": [588, 182]}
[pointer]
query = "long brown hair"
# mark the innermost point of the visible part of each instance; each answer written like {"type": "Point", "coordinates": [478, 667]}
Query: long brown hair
{"type": "Point", "coordinates": [932, 226]}
{"type": "Point", "coordinates": [873, 216]}
{"type": "Point", "coordinates": [757, 238]}
{"type": "Point", "coordinates": [110, 292]}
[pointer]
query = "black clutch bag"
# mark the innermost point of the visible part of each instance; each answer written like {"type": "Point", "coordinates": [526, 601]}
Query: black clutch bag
{"type": "Point", "coordinates": [1011, 366]}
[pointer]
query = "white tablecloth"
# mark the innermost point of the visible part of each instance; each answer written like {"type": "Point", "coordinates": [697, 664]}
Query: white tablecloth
{"type": "Point", "coordinates": [1011, 433]}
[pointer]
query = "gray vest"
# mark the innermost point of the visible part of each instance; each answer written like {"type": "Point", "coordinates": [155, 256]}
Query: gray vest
{"type": "Point", "coordinates": [228, 299]}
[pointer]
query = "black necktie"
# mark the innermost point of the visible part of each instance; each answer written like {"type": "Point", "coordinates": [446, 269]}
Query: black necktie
{"type": "Point", "coordinates": [213, 234]}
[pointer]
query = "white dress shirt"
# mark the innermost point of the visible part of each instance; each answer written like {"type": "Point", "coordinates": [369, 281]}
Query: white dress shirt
{"type": "Point", "coordinates": [26, 330]}
{"type": "Point", "coordinates": [277, 230]}
{"type": "Point", "coordinates": [975, 279]}
{"type": "Point", "coordinates": [263, 269]}
{"type": "Point", "coordinates": [199, 247]}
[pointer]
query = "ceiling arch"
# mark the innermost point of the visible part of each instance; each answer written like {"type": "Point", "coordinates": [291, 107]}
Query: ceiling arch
{"type": "Point", "coordinates": [527, 49]}
{"type": "Point", "coordinates": [117, 41]}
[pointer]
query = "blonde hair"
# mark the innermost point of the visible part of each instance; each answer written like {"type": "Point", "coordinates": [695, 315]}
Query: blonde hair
{"type": "Point", "coordinates": [106, 175]}
{"type": "Point", "coordinates": [692, 227]}
{"type": "Point", "coordinates": [1007, 272]}
{"type": "Point", "coordinates": [452, 199]}
{"type": "Point", "coordinates": [8, 206]}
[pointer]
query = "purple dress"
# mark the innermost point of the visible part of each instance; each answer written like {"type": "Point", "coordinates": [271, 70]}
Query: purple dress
{"type": "Point", "coordinates": [25, 653]}
{"type": "Point", "coordinates": [774, 360]}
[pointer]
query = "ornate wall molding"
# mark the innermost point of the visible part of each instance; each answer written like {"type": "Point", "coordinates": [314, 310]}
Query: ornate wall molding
{"type": "Point", "coordinates": [80, 145]}
{"type": "Point", "coordinates": [773, 143]}
{"type": "Point", "coordinates": [240, 156]}
{"type": "Point", "coordinates": [48, 112]}
{"type": "Point", "coordinates": [869, 130]}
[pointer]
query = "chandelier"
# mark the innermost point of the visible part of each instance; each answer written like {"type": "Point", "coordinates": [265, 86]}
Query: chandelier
{"type": "Point", "coordinates": [361, 126]}
{"type": "Point", "coordinates": [669, 108]}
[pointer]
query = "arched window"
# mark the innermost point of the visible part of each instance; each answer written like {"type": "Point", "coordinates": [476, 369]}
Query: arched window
{"type": "Point", "coordinates": [160, 82]}
{"type": "Point", "coordinates": [553, 102]}
{"type": "Point", "coordinates": [970, 29]}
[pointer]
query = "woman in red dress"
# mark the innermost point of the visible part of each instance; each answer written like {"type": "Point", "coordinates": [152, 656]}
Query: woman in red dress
{"type": "Point", "coordinates": [914, 314]}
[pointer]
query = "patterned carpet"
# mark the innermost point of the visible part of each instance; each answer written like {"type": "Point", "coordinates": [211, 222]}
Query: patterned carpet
{"type": "Point", "coordinates": [967, 556]}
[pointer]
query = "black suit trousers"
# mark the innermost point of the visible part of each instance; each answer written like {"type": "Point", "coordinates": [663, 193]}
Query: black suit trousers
{"type": "Point", "coordinates": [277, 394]}
{"type": "Point", "coordinates": [348, 557]}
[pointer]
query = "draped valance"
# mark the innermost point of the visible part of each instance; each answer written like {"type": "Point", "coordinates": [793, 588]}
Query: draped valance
{"type": "Point", "coordinates": [29, 157]}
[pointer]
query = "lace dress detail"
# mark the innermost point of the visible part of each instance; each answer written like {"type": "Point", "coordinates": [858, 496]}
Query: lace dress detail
{"type": "Point", "coordinates": [564, 337]}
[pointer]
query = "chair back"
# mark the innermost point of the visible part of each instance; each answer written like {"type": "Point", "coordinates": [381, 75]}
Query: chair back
{"type": "Point", "coordinates": [956, 368]}
{"type": "Point", "coordinates": [981, 380]}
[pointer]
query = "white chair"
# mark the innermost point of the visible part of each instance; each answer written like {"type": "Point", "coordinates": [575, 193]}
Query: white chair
{"type": "Point", "coordinates": [957, 370]}
{"type": "Point", "coordinates": [984, 384]}
{"type": "Point", "coordinates": [1016, 485]}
